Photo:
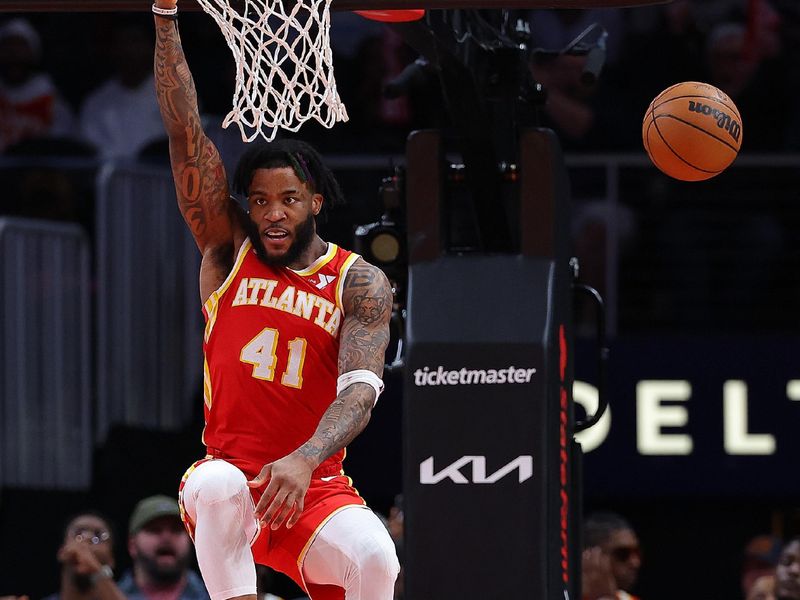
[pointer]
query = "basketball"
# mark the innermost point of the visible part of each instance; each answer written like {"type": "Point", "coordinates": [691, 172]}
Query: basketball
{"type": "Point", "coordinates": [692, 131]}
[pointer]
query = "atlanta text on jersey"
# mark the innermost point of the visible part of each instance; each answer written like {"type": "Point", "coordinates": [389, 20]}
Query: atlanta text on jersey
{"type": "Point", "coordinates": [254, 291]}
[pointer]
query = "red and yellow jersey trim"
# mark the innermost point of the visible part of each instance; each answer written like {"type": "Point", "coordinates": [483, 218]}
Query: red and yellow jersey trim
{"type": "Point", "coordinates": [211, 305]}
{"type": "Point", "coordinates": [206, 383]}
{"type": "Point", "coordinates": [323, 260]}
{"type": "Point", "coordinates": [348, 262]}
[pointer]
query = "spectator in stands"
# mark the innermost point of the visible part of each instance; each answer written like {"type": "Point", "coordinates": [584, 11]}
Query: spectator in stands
{"type": "Point", "coordinates": [761, 554]}
{"type": "Point", "coordinates": [121, 117]}
{"type": "Point", "coordinates": [670, 43]}
{"type": "Point", "coordinates": [747, 67]}
{"type": "Point", "coordinates": [588, 114]}
{"type": "Point", "coordinates": [30, 104]}
{"type": "Point", "coordinates": [611, 558]}
{"type": "Point", "coordinates": [87, 560]}
{"type": "Point", "coordinates": [161, 552]}
{"type": "Point", "coordinates": [763, 588]}
{"type": "Point", "coordinates": [787, 573]}
{"type": "Point", "coordinates": [789, 11]}
{"type": "Point", "coordinates": [555, 29]}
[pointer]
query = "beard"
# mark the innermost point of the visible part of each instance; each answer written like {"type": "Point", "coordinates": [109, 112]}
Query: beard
{"type": "Point", "coordinates": [164, 575]}
{"type": "Point", "coordinates": [302, 238]}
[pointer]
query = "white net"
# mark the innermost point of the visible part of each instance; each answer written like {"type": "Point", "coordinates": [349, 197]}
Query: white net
{"type": "Point", "coordinates": [284, 64]}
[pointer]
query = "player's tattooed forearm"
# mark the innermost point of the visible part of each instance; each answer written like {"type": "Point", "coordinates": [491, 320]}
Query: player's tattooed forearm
{"type": "Point", "coordinates": [199, 177]}
{"type": "Point", "coordinates": [174, 85]}
{"type": "Point", "coordinates": [364, 337]}
{"type": "Point", "coordinates": [215, 183]}
{"type": "Point", "coordinates": [345, 418]}
{"type": "Point", "coordinates": [202, 185]}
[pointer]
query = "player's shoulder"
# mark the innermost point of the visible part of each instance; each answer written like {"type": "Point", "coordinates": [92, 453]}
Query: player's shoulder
{"type": "Point", "coordinates": [363, 274]}
{"type": "Point", "coordinates": [366, 288]}
{"type": "Point", "coordinates": [368, 297]}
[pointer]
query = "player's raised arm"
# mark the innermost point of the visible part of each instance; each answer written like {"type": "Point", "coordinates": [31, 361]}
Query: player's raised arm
{"type": "Point", "coordinates": [200, 180]}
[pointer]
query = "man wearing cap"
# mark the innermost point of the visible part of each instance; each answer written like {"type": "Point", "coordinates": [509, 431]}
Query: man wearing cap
{"type": "Point", "coordinates": [161, 551]}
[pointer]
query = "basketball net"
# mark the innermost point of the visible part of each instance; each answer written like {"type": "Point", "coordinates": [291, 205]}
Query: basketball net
{"type": "Point", "coordinates": [284, 64]}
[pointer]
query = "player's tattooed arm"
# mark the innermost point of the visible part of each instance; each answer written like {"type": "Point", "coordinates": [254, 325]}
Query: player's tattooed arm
{"type": "Point", "coordinates": [200, 180]}
{"type": "Point", "coordinates": [367, 299]}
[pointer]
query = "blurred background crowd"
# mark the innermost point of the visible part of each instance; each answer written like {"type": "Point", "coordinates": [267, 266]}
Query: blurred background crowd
{"type": "Point", "coordinates": [79, 86]}
{"type": "Point", "coordinates": [719, 259]}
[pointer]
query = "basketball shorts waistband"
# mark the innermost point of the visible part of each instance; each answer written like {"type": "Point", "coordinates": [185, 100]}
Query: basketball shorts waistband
{"type": "Point", "coordinates": [323, 471]}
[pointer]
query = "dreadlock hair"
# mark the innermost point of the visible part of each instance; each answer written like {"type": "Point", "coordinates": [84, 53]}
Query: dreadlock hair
{"type": "Point", "coordinates": [304, 160]}
{"type": "Point", "coordinates": [600, 525]}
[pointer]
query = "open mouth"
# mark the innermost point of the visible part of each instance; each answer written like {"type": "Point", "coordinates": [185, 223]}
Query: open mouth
{"type": "Point", "coordinates": [275, 234]}
{"type": "Point", "coordinates": [166, 553]}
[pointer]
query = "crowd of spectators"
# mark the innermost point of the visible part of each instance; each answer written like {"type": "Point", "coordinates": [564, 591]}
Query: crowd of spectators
{"type": "Point", "coordinates": [162, 563]}
{"type": "Point", "coordinates": [81, 86]}
{"type": "Point", "coordinates": [160, 554]}
{"type": "Point", "coordinates": [105, 96]}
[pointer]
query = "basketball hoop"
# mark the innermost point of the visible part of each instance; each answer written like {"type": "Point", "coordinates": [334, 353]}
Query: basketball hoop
{"type": "Point", "coordinates": [284, 65]}
{"type": "Point", "coordinates": [393, 16]}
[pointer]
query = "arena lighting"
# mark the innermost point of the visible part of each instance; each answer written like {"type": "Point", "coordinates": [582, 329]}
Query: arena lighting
{"type": "Point", "coordinates": [382, 243]}
{"type": "Point", "coordinates": [379, 243]}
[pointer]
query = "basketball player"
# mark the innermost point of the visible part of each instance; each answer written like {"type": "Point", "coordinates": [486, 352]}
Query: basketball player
{"type": "Point", "coordinates": [296, 330]}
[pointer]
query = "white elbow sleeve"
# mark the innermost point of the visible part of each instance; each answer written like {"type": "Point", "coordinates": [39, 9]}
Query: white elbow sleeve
{"type": "Point", "coordinates": [360, 376]}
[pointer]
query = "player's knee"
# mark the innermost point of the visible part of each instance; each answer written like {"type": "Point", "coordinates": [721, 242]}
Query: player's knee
{"type": "Point", "coordinates": [379, 559]}
{"type": "Point", "coordinates": [219, 481]}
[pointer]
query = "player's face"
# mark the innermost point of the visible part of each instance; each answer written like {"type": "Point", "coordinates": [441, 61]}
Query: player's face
{"type": "Point", "coordinates": [787, 574]}
{"type": "Point", "coordinates": [162, 549]}
{"type": "Point", "coordinates": [283, 209]}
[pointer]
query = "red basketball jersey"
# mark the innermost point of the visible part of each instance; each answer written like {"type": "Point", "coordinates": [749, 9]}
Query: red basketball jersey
{"type": "Point", "coordinates": [271, 356]}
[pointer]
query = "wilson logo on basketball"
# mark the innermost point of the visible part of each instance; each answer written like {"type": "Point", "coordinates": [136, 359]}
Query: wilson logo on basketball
{"type": "Point", "coordinates": [724, 120]}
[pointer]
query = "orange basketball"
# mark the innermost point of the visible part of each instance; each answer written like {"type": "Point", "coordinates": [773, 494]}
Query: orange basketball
{"type": "Point", "coordinates": [692, 131]}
